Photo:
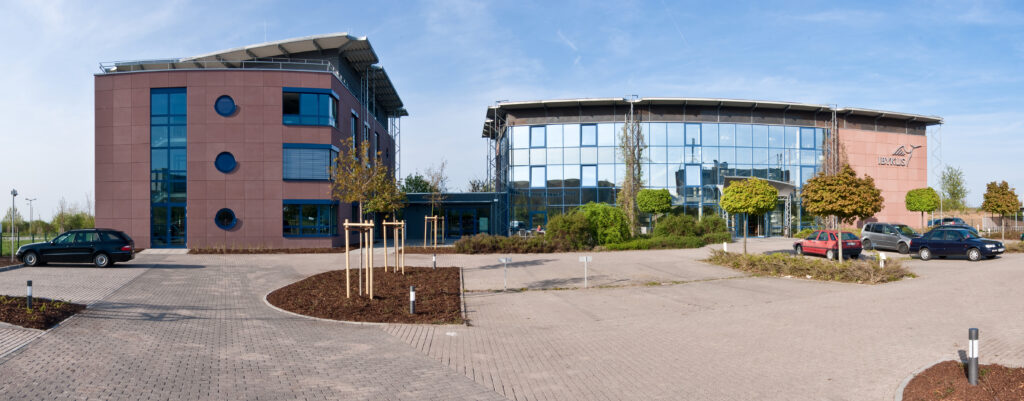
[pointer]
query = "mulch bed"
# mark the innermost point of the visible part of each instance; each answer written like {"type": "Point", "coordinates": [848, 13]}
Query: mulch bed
{"type": "Point", "coordinates": [45, 313]}
{"type": "Point", "coordinates": [253, 251]}
{"type": "Point", "coordinates": [948, 381]}
{"type": "Point", "coordinates": [323, 296]}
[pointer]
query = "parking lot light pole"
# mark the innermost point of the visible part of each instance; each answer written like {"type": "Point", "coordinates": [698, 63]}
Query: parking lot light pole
{"type": "Point", "coordinates": [30, 217]}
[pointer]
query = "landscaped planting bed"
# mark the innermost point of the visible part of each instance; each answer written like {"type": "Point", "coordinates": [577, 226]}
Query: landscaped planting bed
{"type": "Point", "coordinates": [947, 381]}
{"type": "Point", "coordinates": [323, 296]}
{"type": "Point", "coordinates": [783, 265]}
{"type": "Point", "coordinates": [45, 313]}
{"type": "Point", "coordinates": [257, 250]}
{"type": "Point", "coordinates": [428, 250]}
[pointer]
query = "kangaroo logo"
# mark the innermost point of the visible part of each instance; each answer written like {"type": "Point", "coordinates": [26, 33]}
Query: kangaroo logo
{"type": "Point", "coordinates": [901, 157]}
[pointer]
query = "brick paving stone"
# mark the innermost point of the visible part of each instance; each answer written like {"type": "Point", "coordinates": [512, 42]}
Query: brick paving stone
{"type": "Point", "coordinates": [196, 327]}
{"type": "Point", "coordinates": [730, 338]}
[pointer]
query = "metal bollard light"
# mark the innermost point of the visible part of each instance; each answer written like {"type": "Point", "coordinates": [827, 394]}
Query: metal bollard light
{"type": "Point", "coordinates": [881, 259]}
{"type": "Point", "coordinates": [505, 262]}
{"type": "Point", "coordinates": [433, 259]}
{"type": "Point", "coordinates": [29, 299]}
{"type": "Point", "coordinates": [586, 262]}
{"type": "Point", "coordinates": [412, 299]}
{"type": "Point", "coordinates": [972, 356]}
{"type": "Point", "coordinates": [725, 246]}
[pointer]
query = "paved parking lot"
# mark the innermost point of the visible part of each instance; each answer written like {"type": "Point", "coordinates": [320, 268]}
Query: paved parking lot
{"type": "Point", "coordinates": [195, 327]}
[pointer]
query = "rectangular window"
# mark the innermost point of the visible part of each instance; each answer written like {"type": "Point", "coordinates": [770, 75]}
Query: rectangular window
{"type": "Point", "coordinates": [657, 135]}
{"type": "Point", "coordinates": [674, 134]}
{"type": "Point", "coordinates": [709, 134]}
{"type": "Point", "coordinates": [168, 164]}
{"type": "Point", "coordinates": [554, 139]}
{"type": "Point", "coordinates": [353, 130]}
{"type": "Point", "coordinates": [571, 155]}
{"type": "Point", "coordinates": [743, 135]}
{"type": "Point", "coordinates": [588, 155]}
{"type": "Point", "coordinates": [605, 135]}
{"type": "Point", "coordinates": [792, 133]}
{"type": "Point", "coordinates": [309, 218]}
{"type": "Point", "coordinates": [588, 176]}
{"type": "Point", "coordinates": [807, 138]}
{"type": "Point", "coordinates": [606, 175]}
{"type": "Point", "coordinates": [520, 137]}
{"type": "Point", "coordinates": [537, 177]}
{"type": "Point", "coordinates": [588, 135]}
{"type": "Point", "coordinates": [572, 175]}
{"type": "Point", "coordinates": [776, 136]}
{"type": "Point", "coordinates": [520, 177]}
{"type": "Point", "coordinates": [538, 156]}
{"type": "Point", "coordinates": [571, 135]}
{"type": "Point", "coordinates": [554, 155]}
{"type": "Point", "coordinates": [537, 136]}
{"type": "Point", "coordinates": [309, 106]}
{"type": "Point", "coordinates": [308, 161]}
{"type": "Point", "coordinates": [693, 134]}
{"type": "Point", "coordinates": [760, 136]}
{"type": "Point", "coordinates": [554, 176]}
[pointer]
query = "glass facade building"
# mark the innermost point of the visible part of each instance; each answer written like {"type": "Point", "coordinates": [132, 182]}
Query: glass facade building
{"type": "Point", "coordinates": [555, 167]}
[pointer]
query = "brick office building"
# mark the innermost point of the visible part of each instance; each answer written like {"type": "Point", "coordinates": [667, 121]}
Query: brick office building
{"type": "Point", "coordinates": [233, 148]}
{"type": "Point", "coordinates": [552, 155]}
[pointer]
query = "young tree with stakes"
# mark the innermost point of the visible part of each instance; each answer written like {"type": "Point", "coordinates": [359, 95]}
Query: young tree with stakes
{"type": "Point", "coordinates": [352, 175]}
{"type": "Point", "coordinates": [1000, 199]}
{"type": "Point", "coordinates": [924, 200]}
{"type": "Point", "coordinates": [752, 196]}
{"type": "Point", "coordinates": [843, 196]}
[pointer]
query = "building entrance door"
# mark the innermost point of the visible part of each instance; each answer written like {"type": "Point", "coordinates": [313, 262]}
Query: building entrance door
{"type": "Point", "coordinates": [168, 226]}
{"type": "Point", "coordinates": [462, 221]}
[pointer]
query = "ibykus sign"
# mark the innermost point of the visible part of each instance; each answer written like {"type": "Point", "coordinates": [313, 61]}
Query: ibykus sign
{"type": "Point", "coordinates": [901, 157]}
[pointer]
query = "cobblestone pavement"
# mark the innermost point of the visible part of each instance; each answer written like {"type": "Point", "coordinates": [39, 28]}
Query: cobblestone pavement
{"type": "Point", "coordinates": [205, 333]}
{"type": "Point", "coordinates": [739, 338]}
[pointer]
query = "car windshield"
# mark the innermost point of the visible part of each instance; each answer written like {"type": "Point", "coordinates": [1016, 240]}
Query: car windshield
{"type": "Point", "coordinates": [849, 236]}
{"type": "Point", "coordinates": [906, 230]}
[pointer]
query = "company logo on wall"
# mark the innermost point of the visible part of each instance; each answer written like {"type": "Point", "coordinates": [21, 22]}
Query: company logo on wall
{"type": "Point", "coordinates": [901, 157]}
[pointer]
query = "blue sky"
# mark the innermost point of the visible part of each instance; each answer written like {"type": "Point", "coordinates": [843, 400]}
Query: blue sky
{"type": "Point", "coordinates": [449, 60]}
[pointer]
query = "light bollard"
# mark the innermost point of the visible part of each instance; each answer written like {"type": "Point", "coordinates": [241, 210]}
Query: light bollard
{"type": "Point", "coordinates": [505, 262]}
{"type": "Point", "coordinates": [433, 260]}
{"type": "Point", "coordinates": [972, 356]}
{"type": "Point", "coordinates": [586, 262]}
{"type": "Point", "coordinates": [881, 259]}
{"type": "Point", "coordinates": [412, 299]}
{"type": "Point", "coordinates": [29, 299]}
{"type": "Point", "coordinates": [725, 246]}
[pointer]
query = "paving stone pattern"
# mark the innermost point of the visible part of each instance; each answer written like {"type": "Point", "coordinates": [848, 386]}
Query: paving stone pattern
{"type": "Point", "coordinates": [200, 331]}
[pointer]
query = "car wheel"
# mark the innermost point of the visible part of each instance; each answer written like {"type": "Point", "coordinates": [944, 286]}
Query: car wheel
{"type": "Point", "coordinates": [799, 250]}
{"type": "Point", "coordinates": [973, 254]}
{"type": "Point", "coordinates": [926, 254]}
{"type": "Point", "coordinates": [904, 249]}
{"type": "Point", "coordinates": [830, 254]}
{"type": "Point", "coordinates": [101, 260]}
{"type": "Point", "coordinates": [867, 244]}
{"type": "Point", "coordinates": [31, 259]}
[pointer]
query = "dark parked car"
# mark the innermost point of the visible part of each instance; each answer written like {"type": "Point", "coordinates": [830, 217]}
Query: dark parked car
{"type": "Point", "coordinates": [946, 221]}
{"type": "Point", "coordinates": [957, 227]}
{"type": "Point", "coordinates": [955, 242]}
{"type": "Point", "coordinates": [894, 237]}
{"type": "Point", "coordinates": [100, 246]}
{"type": "Point", "coordinates": [823, 242]}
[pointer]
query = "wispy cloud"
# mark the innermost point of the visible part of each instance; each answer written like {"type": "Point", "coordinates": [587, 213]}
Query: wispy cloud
{"type": "Point", "coordinates": [566, 41]}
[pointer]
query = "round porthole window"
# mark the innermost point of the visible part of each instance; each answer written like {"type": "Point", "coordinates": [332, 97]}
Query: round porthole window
{"type": "Point", "coordinates": [224, 105]}
{"type": "Point", "coordinates": [225, 162]}
{"type": "Point", "coordinates": [225, 219]}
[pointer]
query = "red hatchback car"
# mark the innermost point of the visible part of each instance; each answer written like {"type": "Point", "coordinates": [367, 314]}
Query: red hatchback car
{"type": "Point", "coordinates": [823, 242]}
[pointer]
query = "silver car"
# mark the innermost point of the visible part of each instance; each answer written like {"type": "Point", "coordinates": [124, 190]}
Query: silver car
{"type": "Point", "coordinates": [887, 236]}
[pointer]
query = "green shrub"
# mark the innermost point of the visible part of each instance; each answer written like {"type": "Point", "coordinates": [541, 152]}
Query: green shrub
{"type": "Point", "coordinates": [573, 229]}
{"type": "Point", "coordinates": [780, 264]}
{"type": "Point", "coordinates": [804, 233]}
{"type": "Point", "coordinates": [662, 242]}
{"type": "Point", "coordinates": [676, 225]}
{"type": "Point", "coordinates": [655, 201]}
{"type": "Point", "coordinates": [609, 222]}
{"type": "Point", "coordinates": [712, 224]}
{"type": "Point", "coordinates": [486, 243]}
{"type": "Point", "coordinates": [717, 237]}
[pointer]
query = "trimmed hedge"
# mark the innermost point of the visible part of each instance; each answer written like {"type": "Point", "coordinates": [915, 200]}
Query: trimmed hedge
{"type": "Point", "coordinates": [662, 242]}
{"type": "Point", "coordinates": [780, 264]}
{"type": "Point", "coordinates": [486, 243]}
{"type": "Point", "coordinates": [609, 222]}
{"type": "Point", "coordinates": [572, 229]}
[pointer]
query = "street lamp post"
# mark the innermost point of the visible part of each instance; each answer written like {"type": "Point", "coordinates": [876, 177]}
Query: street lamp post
{"type": "Point", "coordinates": [14, 193]}
{"type": "Point", "coordinates": [31, 222]}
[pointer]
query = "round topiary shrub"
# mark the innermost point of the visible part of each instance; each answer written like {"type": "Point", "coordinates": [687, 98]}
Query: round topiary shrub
{"type": "Point", "coordinates": [609, 222]}
{"type": "Point", "coordinates": [572, 231]}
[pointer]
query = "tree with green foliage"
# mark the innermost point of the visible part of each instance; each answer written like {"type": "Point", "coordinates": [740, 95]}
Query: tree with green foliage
{"type": "Point", "coordinates": [654, 202]}
{"type": "Point", "coordinates": [387, 198]}
{"type": "Point", "coordinates": [843, 196]}
{"type": "Point", "coordinates": [415, 184]}
{"type": "Point", "coordinates": [572, 230]}
{"type": "Point", "coordinates": [610, 223]}
{"type": "Point", "coordinates": [954, 189]}
{"type": "Point", "coordinates": [924, 200]}
{"type": "Point", "coordinates": [752, 196]}
{"type": "Point", "coordinates": [438, 179]}
{"type": "Point", "coordinates": [480, 185]}
{"type": "Point", "coordinates": [353, 178]}
{"type": "Point", "coordinates": [1000, 199]}
{"type": "Point", "coordinates": [631, 148]}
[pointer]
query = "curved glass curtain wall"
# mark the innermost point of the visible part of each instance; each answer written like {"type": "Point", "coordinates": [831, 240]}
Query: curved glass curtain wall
{"type": "Point", "coordinates": [555, 167]}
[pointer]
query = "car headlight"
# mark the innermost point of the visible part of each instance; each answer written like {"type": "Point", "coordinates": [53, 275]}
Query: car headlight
{"type": "Point", "coordinates": [989, 246]}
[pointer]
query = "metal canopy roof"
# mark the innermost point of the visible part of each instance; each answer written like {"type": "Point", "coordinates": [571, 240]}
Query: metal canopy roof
{"type": "Point", "coordinates": [357, 51]}
{"type": "Point", "coordinates": [687, 101]}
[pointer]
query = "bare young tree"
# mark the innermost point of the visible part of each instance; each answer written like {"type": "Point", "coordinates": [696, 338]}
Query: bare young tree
{"type": "Point", "coordinates": [438, 179]}
{"type": "Point", "coordinates": [631, 146]}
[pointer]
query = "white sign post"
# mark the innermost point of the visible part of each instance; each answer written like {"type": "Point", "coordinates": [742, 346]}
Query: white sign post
{"type": "Point", "coordinates": [881, 259]}
{"type": "Point", "coordinates": [586, 262]}
{"type": "Point", "coordinates": [505, 262]}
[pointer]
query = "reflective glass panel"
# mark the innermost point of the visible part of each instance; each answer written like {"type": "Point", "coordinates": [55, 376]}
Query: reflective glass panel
{"type": "Point", "coordinates": [521, 157]}
{"type": "Point", "coordinates": [572, 175]}
{"type": "Point", "coordinates": [710, 154]}
{"type": "Point", "coordinates": [606, 155]}
{"type": "Point", "coordinates": [692, 154]}
{"type": "Point", "coordinates": [792, 135]}
{"type": "Point", "coordinates": [605, 134]}
{"type": "Point", "coordinates": [538, 156]}
{"type": "Point", "coordinates": [537, 136]}
{"type": "Point", "coordinates": [674, 134]}
{"type": "Point", "coordinates": [588, 176]}
{"type": "Point", "coordinates": [158, 136]}
{"type": "Point", "coordinates": [760, 155]}
{"type": "Point", "coordinates": [537, 177]}
{"type": "Point", "coordinates": [743, 138]}
{"type": "Point", "coordinates": [158, 104]}
{"type": "Point", "coordinates": [520, 176]}
{"type": "Point", "coordinates": [656, 136]}
{"type": "Point", "coordinates": [554, 155]}
{"type": "Point", "coordinates": [709, 134]}
{"type": "Point", "coordinates": [744, 155]}
{"type": "Point", "coordinates": [727, 155]}
{"type": "Point", "coordinates": [807, 157]}
{"type": "Point", "coordinates": [692, 134]}
{"type": "Point", "coordinates": [588, 155]}
{"type": "Point", "coordinates": [554, 136]}
{"type": "Point", "coordinates": [571, 135]}
{"type": "Point", "coordinates": [807, 138]}
{"type": "Point", "coordinates": [658, 154]}
{"type": "Point", "coordinates": [776, 136]}
{"type": "Point", "coordinates": [588, 135]}
{"type": "Point", "coordinates": [605, 175]}
{"type": "Point", "coordinates": [726, 134]}
{"type": "Point", "coordinates": [571, 156]}
{"type": "Point", "coordinates": [759, 135]}
{"type": "Point", "coordinates": [675, 155]}
{"type": "Point", "coordinates": [520, 137]}
{"type": "Point", "coordinates": [554, 176]}
{"type": "Point", "coordinates": [819, 138]}
{"type": "Point", "coordinates": [692, 175]}
{"type": "Point", "coordinates": [658, 175]}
